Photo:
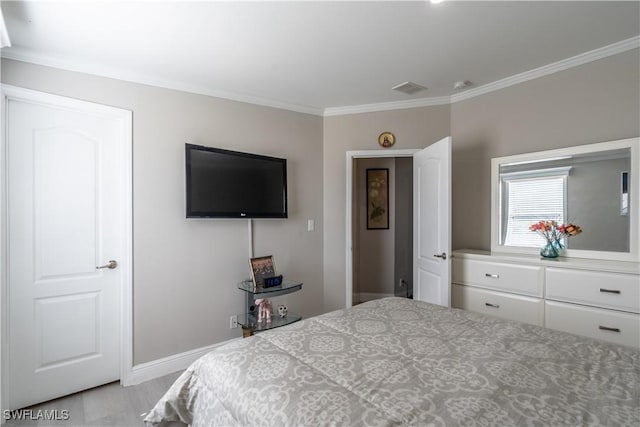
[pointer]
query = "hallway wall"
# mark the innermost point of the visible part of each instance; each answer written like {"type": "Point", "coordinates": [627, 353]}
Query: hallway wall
{"type": "Point", "coordinates": [383, 257]}
{"type": "Point", "coordinates": [403, 226]}
{"type": "Point", "coordinates": [374, 249]}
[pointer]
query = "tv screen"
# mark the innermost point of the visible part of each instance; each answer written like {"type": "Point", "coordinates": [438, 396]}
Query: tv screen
{"type": "Point", "coordinates": [229, 184]}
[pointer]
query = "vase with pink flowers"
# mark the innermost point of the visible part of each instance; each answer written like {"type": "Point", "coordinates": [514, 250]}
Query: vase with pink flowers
{"type": "Point", "coordinates": [554, 234]}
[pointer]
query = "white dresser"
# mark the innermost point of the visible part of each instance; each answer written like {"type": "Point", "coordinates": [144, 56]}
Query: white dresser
{"type": "Point", "coordinates": [594, 298]}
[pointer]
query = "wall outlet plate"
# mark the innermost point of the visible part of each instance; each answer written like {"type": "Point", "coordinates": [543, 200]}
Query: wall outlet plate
{"type": "Point", "coordinates": [233, 321]}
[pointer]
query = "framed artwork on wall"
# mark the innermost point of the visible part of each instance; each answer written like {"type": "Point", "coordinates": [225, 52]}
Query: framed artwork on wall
{"type": "Point", "coordinates": [386, 139]}
{"type": "Point", "coordinates": [377, 199]}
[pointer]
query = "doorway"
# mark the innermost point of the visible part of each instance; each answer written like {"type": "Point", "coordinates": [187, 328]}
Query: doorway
{"type": "Point", "coordinates": [431, 232]}
{"type": "Point", "coordinates": [352, 225]}
{"type": "Point", "coordinates": [382, 252]}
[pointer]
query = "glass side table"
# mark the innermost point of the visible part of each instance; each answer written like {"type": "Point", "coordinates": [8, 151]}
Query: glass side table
{"type": "Point", "coordinates": [249, 319]}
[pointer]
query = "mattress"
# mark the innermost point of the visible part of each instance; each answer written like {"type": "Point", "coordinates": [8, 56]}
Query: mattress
{"type": "Point", "coordinates": [397, 361]}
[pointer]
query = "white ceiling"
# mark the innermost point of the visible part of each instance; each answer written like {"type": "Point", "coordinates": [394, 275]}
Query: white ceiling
{"type": "Point", "coordinates": [319, 57]}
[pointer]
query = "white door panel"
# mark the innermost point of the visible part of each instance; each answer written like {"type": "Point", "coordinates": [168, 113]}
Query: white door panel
{"type": "Point", "coordinates": [56, 188]}
{"type": "Point", "coordinates": [431, 219]}
{"type": "Point", "coordinates": [65, 210]}
{"type": "Point", "coordinates": [429, 287]}
{"type": "Point", "coordinates": [67, 329]}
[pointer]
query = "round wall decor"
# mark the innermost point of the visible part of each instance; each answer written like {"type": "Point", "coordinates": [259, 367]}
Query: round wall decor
{"type": "Point", "coordinates": [386, 139]}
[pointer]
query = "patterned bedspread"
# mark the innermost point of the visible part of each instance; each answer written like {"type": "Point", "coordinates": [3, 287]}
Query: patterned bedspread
{"type": "Point", "coordinates": [402, 362]}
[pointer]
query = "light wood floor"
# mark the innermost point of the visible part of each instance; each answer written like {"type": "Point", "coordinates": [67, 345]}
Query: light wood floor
{"type": "Point", "coordinates": [107, 405]}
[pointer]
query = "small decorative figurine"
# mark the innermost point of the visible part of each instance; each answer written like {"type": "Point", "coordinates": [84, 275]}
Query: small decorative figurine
{"type": "Point", "coordinates": [264, 310]}
{"type": "Point", "coordinates": [282, 310]}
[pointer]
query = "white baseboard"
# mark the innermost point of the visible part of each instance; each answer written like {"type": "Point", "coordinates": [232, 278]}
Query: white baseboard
{"type": "Point", "coordinates": [168, 365]}
{"type": "Point", "coordinates": [369, 296]}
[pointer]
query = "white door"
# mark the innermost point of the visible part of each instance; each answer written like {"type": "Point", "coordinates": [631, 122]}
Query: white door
{"type": "Point", "coordinates": [66, 212]}
{"type": "Point", "coordinates": [432, 223]}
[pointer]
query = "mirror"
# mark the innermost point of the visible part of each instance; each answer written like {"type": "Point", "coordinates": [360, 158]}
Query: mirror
{"type": "Point", "coordinates": [593, 186]}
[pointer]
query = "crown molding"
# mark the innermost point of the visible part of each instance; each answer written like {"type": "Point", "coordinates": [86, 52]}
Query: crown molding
{"type": "Point", "coordinates": [24, 55]}
{"type": "Point", "coordinates": [86, 67]}
{"type": "Point", "coordinates": [574, 61]}
{"type": "Point", "coordinates": [387, 106]}
{"type": "Point", "coordinates": [565, 64]}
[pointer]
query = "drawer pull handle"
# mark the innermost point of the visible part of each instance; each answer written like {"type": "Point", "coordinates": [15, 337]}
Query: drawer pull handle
{"type": "Point", "coordinates": [610, 291]}
{"type": "Point", "coordinates": [606, 328]}
{"type": "Point", "coordinates": [488, 304]}
{"type": "Point", "coordinates": [493, 276]}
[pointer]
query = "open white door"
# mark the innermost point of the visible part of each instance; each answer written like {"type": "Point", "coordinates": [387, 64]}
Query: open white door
{"type": "Point", "coordinates": [432, 223]}
{"type": "Point", "coordinates": [67, 243]}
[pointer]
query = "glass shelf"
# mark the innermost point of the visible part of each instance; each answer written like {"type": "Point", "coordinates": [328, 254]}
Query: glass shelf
{"type": "Point", "coordinates": [250, 321]}
{"type": "Point", "coordinates": [286, 287]}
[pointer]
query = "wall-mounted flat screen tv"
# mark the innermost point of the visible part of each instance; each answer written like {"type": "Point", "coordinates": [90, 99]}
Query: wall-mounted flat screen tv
{"type": "Point", "coordinates": [229, 184]}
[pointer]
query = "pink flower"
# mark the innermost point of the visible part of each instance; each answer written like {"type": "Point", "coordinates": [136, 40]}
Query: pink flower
{"type": "Point", "coordinates": [554, 232]}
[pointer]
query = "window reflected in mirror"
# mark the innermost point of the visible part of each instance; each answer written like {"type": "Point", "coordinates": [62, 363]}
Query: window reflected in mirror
{"type": "Point", "coordinates": [624, 193]}
{"type": "Point", "coordinates": [589, 189]}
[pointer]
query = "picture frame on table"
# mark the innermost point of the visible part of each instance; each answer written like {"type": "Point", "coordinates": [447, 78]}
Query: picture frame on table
{"type": "Point", "coordinates": [261, 268]}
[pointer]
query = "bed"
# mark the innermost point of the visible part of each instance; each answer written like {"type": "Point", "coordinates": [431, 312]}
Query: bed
{"type": "Point", "coordinates": [397, 361]}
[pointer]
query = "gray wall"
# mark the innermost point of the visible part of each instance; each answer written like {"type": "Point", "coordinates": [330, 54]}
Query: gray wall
{"type": "Point", "coordinates": [595, 102]}
{"type": "Point", "coordinates": [593, 202]}
{"type": "Point", "coordinates": [175, 259]}
{"type": "Point", "coordinates": [598, 101]}
{"type": "Point", "coordinates": [186, 270]}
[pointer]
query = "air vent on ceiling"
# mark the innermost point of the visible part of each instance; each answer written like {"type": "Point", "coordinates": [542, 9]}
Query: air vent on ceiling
{"type": "Point", "coordinates": [409, 88]}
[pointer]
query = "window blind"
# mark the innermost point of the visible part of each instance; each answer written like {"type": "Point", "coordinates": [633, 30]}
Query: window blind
{"type": "Point", "coordinates": [530, 200]}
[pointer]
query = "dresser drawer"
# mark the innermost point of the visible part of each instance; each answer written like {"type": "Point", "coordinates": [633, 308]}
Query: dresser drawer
{"type": "Point", "coordinates": [601, 289]}
{"type": "Point", "coordinates": [520, 279]}
{"type": "Point", "coordinates": [607, 325]}
{"type": "Point", "coordinates": [498, 304]}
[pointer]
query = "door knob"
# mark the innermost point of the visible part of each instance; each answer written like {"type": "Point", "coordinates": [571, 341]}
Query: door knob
{"type": "Point", "coordinates": [112, 264]}
{"type": "Point", "coordinates": [443, 256]}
